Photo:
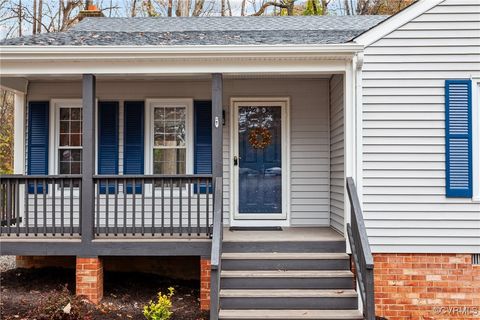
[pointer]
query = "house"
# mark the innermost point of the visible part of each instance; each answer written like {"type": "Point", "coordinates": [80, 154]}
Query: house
{"type": "Point", "coordinates": [275, 148]}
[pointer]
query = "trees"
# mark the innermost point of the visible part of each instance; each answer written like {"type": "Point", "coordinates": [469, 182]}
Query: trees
{"type": "Point", "coordinates": [385, 7]}
{"type": "Point", "coordinates": [6, 132]}
{"type": "Point", "coordinates": [19, 17]}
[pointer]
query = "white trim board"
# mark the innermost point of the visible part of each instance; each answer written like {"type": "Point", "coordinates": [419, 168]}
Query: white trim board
{"type": "Point", "coordinates": [19, 130]}
{"type": "Point", "coordinates": [396, 21]}
{"type": "Point", "coordinates": [282, 219]}
{"type": "Point", "coordinates": [476, 138]}
{"type": "Point", "coordinates": [18, 61]}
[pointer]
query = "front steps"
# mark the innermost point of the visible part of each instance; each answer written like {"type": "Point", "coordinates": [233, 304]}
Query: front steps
{"type": "Point", "coordinates": [290, 314]}
{"type": "Point", "coordinates": [287, 280]}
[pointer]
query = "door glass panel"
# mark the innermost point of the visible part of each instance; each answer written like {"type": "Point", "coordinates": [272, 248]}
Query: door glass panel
{"type": "Point", "coordinates": [260, 160]}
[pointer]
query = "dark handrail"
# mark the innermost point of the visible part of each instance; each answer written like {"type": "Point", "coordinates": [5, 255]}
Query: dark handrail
{"type": "Point", "coordinates": [45, 176]}
{"type": "Point", "coordinates": [157, 205]}
{"type": "Point", "coordinates": [217, 239]}
{"type": "Point", "coordinates": [128, 205]}
{"type": "Point", "coordinates": [40, 205]}
{"type": "Point", "coordinates": [155, 176]}
{"type": "Point", "coordinates": [362, 255]}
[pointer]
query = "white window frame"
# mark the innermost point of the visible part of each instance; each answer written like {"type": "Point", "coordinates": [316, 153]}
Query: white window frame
{"type": "Point", "coordinates": [54, 135]}
{"type": "Point", "coordinates": [150, 105]}
{"type": "Point", "coordinates": [284, 218]}
{"type": "Point", "coordinates": [56, 104]}
{"type": "Point", "coordinates": [476, 138]}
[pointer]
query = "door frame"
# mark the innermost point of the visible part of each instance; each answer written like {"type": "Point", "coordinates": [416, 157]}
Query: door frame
{"type": "Point", "coordinates": [269, 219]}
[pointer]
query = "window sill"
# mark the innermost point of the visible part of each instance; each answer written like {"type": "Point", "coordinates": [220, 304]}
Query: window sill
{"type": "Point", "coordinates": [476, 199]}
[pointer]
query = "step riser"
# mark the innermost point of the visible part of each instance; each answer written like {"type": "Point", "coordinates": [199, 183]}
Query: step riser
{"type": "Point", "coordinates": [222, 318]}
{"type": "Point", "coordinates": [289, 303]}
{"type": "Point", "coordinates": [279, 264]}
{"type": "Point", "coordinates": [296, 247]}
{"type": "Point", "coordinates": [291, 318]}
{"type": "Point", "coordinates": [290, 283]}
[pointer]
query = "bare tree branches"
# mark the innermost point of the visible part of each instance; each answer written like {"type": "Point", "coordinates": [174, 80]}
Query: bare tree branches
{"type": "Point", "coordinates": [39, 16]}
{"type": "Point", "coordinates": [198, 8]}
{"type": "Point", "coordinates": [388, 7]}
{"type": "Point", "coordinates": [284, 4]}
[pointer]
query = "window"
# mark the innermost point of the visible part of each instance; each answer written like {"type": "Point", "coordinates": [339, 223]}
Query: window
{"type": "Point", "coordinates": [169, 140]}
{"type": "Point", "coordinates": [170, 136]}
{"type": "Point", "coordinates": [65, 134]}
{"type": "Point", "coordinates": [70, 140]}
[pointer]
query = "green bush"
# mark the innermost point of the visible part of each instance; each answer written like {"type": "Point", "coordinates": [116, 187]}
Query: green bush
{"type": "Point", "coordinates": [161, 310]}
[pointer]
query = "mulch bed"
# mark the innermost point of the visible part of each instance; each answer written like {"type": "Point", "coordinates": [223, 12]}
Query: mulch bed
{"type": "Point", "coordinates": [24, 293]}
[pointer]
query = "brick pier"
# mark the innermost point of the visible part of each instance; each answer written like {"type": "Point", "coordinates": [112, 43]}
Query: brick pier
{"type": "Point", "coordinates": [89, 278]}
{"type": "Point", "coordinates": [205, 283]}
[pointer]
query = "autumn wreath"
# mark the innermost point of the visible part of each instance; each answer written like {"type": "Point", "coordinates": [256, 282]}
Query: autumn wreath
{"type": "Point", "coordinates": [254, 134]}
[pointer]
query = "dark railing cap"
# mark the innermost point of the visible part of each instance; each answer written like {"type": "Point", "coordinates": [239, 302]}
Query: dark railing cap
{"type": "Point", "coordinates": [154, 176]}
{"type": "Point", "coordinates": [48, 176]}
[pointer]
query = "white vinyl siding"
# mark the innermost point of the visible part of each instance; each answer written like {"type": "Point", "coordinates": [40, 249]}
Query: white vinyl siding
{"type": "Point", "coordinates": [310, 144]}
{"type": "Point", "coordinates": [404, 132]}
{"type": "Point", "coordinates": [337, 154]}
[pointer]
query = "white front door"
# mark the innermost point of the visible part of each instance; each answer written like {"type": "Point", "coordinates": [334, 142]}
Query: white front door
{"type": "Point", "coordinates": [259, 160]}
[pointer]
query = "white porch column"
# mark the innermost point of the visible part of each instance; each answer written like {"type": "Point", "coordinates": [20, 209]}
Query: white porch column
{"type": "Point", "coordinates": [19, 133]}
{"type": "Point", "coordinates": [349, 137]}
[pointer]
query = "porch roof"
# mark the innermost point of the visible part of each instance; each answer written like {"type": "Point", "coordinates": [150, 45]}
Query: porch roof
{"type": "Point", "coordinates": [264, 30]}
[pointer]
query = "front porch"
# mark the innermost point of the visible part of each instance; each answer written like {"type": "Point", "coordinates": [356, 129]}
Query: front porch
{"type": "Point", "coordinates": [301, 186]}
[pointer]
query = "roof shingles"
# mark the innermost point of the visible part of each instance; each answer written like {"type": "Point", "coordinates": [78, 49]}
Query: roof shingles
{"type": "Point", "coordinates": [206, 31]}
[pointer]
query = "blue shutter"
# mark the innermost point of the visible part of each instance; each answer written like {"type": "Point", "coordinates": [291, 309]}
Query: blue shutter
{"type": "Point", "coordinates": [133, 148]}
{"type": "Point", "coordinates": [37, 163]}
{"type": "Point", "coordinates": [203, 140]}
{"type": "Point", "coordinates": [458, 133]}
{"type": "Point", "coordinates": [107, 141]}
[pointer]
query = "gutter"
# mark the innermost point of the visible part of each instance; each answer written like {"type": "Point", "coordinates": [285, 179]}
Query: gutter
{"type": "Point", "coordinates": [76, 53]}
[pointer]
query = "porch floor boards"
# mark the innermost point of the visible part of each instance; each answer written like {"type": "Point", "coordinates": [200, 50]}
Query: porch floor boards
{"type": "Point", "coordinates": [294, 234]}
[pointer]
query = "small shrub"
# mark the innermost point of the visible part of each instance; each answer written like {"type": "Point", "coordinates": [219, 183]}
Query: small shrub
{"type": "Point", "coordinates": [161, 310]}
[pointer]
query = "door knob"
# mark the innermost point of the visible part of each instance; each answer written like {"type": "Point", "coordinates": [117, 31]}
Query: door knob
{"type": "Point", "coordinates": [235, 161]}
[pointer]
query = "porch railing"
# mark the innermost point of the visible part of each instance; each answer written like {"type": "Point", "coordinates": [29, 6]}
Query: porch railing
{"type": "Point", "coordinates": [153, 205]}
{"type": "Point", "coordinates": [217, 240]}
{"type": "Point", "coordinates": [40, 205]}
{"type": "Point", "coordinates": [127, 205]}
{"type": "Point", "coordinates": [362, 255]}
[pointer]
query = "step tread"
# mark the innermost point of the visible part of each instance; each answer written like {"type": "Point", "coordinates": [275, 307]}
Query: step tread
{"type": "Point", "coordinates": [283, 256]}
{"type": "Point", "coordinates": [290, 314]}
{"type": "Point", "coordinates": [286, 274]}
{"type": "Point", "coordinates": [287, 293]}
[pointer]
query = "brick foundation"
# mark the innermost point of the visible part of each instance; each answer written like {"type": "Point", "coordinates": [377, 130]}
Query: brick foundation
{"type": "Point", "coordinates": [205, 283]}
{"type": "Point", "coordinates": [426, 286]}
{"type": "Point", "coordinates": [89, 278]}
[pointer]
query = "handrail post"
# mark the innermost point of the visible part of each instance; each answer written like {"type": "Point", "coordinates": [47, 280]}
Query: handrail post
{"type": "Point", "coordinates": [216, 261]}
{"type": "Point", "coordinates": [88, 161]}
{"type": "Point", "coordinates": [362, 255]}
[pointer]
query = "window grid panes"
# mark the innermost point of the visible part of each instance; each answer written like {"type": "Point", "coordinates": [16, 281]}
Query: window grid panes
{"type": "Point", "coordinates": [169, 140]}
{"type": "Point", "coordinates": [70, 140]}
